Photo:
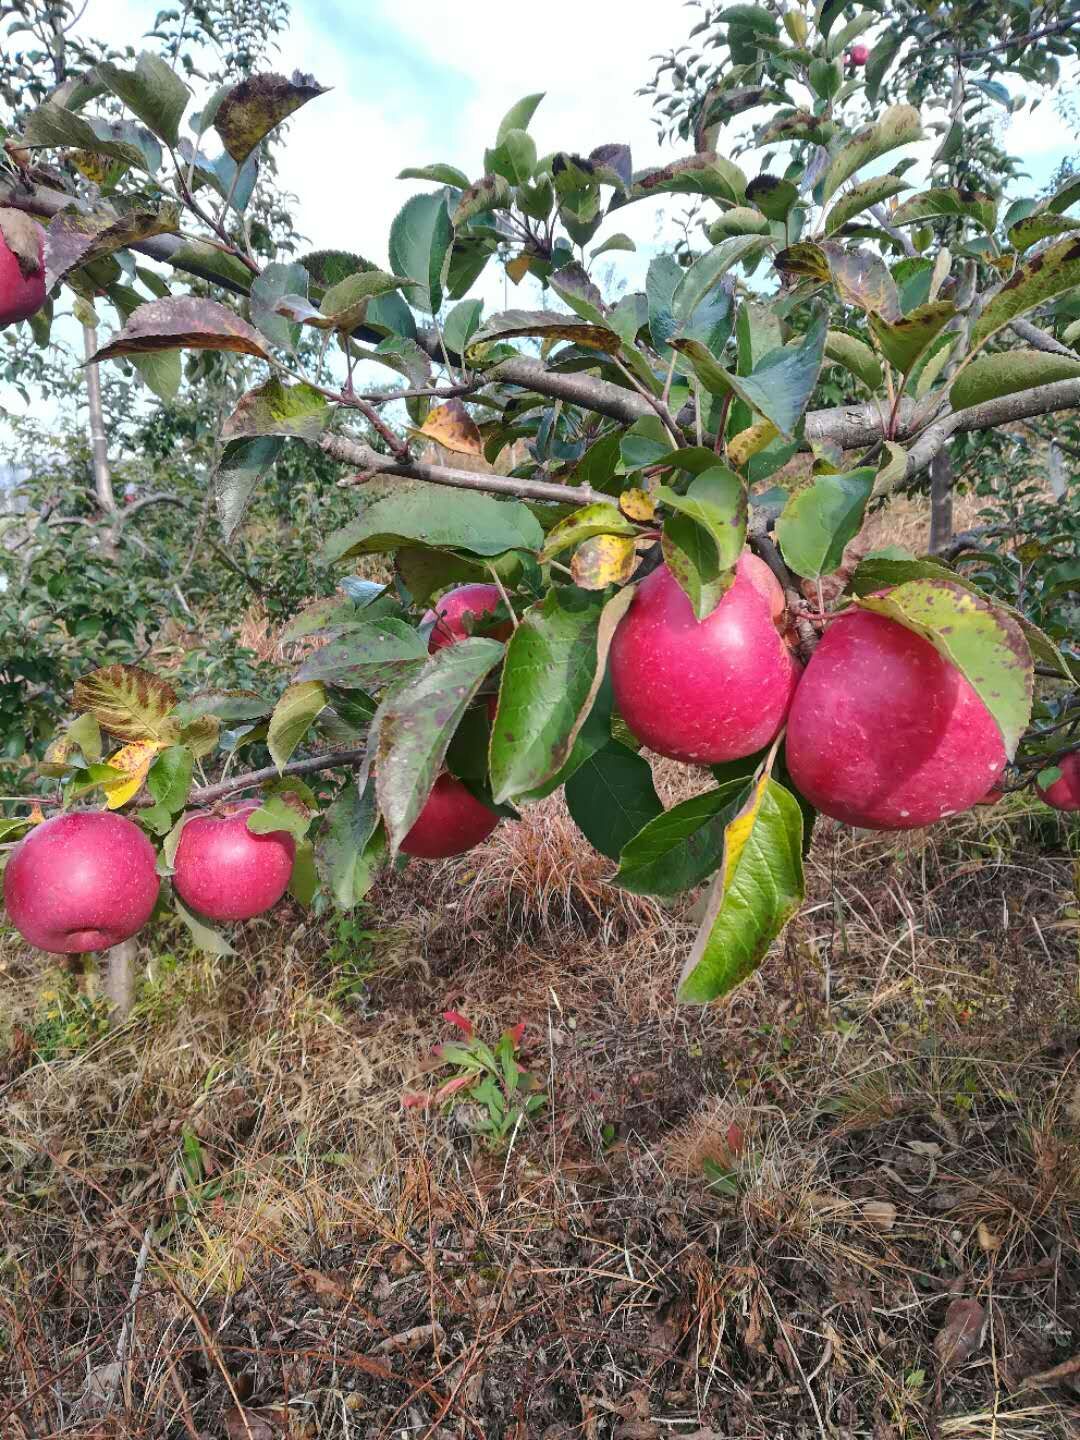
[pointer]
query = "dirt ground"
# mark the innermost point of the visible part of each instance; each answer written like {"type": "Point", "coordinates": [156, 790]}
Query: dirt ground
{"type": "Point", "coordinates": [842, 1204]}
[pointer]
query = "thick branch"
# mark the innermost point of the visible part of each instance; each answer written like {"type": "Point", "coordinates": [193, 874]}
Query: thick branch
{"type": "Point", "coordinates": [1039, 339]}
{"type": "Point", "coordinates": [364, 458]}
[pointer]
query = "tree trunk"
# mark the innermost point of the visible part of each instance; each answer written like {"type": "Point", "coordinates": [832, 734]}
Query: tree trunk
{"type": "Point", "coordinates": [120, 960]}
{"type": "Point", "coordinates": [941, 506]}
{"type": "Point", "coordinates": [120, 978]}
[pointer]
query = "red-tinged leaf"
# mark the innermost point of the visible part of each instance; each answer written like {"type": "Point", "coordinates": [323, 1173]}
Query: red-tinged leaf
{"type": "Point", "coordinates": [415, 1100]}
{"type": "Point", "coordinates": [454, 1017]}
{"type": "Point", "coordinates": [187, 323]}
{"type": "Point", "coordinates": [459, 1082]}
{"type": "Point", "coordinates": [516, 1033]}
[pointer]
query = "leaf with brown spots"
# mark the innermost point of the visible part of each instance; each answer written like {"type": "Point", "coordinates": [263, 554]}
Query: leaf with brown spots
{"type": "Point", "coordinates": [904, 340]}
{"type": "Point", "coordinates": [602, 561]}
{"type": "Point", "coordinates": [546, 325]}
{"type": "Point", "coordinates": [741, 447]}
{"type": "Point", "coordinates": [75, 239]}
{"type": "Point", "coordinates": [126, 701]}
{"type": "Point", "coordinates": [257, 105]}
{"type": "Point", "coordinates": [134, 760]}
{"type": "Point", "coordinates": [1049, 273]}
{"type": "Point", "coordinates": [961, 1335]}
{"type": "Point", "coordinates": [637, 504]}
{"type": "Point", "coordinates": [187, 323]}
{"type": "Point", "coordinates": [452, 427]}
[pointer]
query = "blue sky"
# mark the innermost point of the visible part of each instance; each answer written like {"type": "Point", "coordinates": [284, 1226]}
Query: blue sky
{"type": "Point", "coordinates": [429, 80]}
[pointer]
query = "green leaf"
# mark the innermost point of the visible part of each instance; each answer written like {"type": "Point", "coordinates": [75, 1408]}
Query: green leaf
{"type": "Point", "coordinates": [952, 204]}
{"type": "Point", "coordinates": [461, 325]}
{"type": "Point", "coordinates": [351, 845]}
{"type": "Point", "coordinates": [819, 521]}
{"type": "Point", "coordinates": [203, 936]}
{"type": "Point", "coordinates": [275, 282]}
{"type": "Point", "coordinates": [344, 305]}
{"type": "Point", "coordinates": [855, 356]}
{"type": "Point", "coordinates": [366, 655]}
{"type": "Point", "coordinates": [1051, 272]}
{"type": "Point", "coordinates": [420, 239]}
{"type": "Point", "coordinates": [780, 385]}
{"type": "Point", "coordinates": [774, 197]}
{"type": "Point", "coordinates": [53, 127]}
{"type": "Point", "coordinates": [985, 644]}
{"type": "Point", "coordinates": [754, 17]}
{"type": "Point", "coordinates": [242, 465]}
{"type": "Point", "coordinates": [169, 778]}
{"type": "Point", "coordinates": [304, 880]}
{"type": "Point", "coordinates": [151, 91]}
{"type": "Point", "coordinates": [757, 890]}
{"type": "Point", "coordinates": [161, 372]}
{"type": "Point", "coordinates": [860, 197]}
{"type": "Point", "coordinates": [514, 157]}
{"type": "Point", "coordinates": [278, 409]}
{"type": "Point", "coordinates": [293, 716]}
{"type": "Point", "coordinates": [900, 125]}
{"type": "Point", "coordinates": [860, 276]}
{"type": "Point", "coordinates": [276, 812]}
{"type": "Point", "coordinates": [518, 116]}
{"type": "Point", "coordinates": [599, 519]}
{"type": "Point", "coordinates": [1033, 228]}
{"type": "Point", "coordinates": [573, 285]}
{"type": "Point", "coordinates": [618, 241]}
{"type": "Point", "coordinates": [988, 377]}
{"type": "Point", "coordinates": [443, 174]}
{"type": "Point", "coordinates": [682, 846]}
{"type": "Point", "coordinates": [904, 341]}
{"type": "Point", "coordinates": [555, 663]}
{"type": "Point", "coordinates": [739, 220]}
{"type": "Point", "coordinates": [611, 796]}
{"type": "Point", "coordinates": [415, 723]}
{"type": "Point", "coordinates": [397, 512]}
{"type": "Point", "coordinates": [705, 537]}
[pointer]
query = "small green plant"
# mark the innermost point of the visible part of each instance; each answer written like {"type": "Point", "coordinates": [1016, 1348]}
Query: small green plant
{"type": "Point", "coordinates": [491, 1078]}
{"type": "Point", "coordinates": [68, 1021]}
{"type": "Point", "coordinates": [350, 954]}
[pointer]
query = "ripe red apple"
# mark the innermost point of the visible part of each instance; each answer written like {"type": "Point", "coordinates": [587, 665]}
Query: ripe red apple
{"type": "Point", "coordinates": [886, 734]}
{"type": "Point", "coordinates": [83, 881]}
{"type": "Point", "coordinates": [447, 616]}
{"type": "Point", "coordinates": [227, 872]}
{"type": "Point", "coordinates": [451, 822]}
{"type": "Point", "coordinates": [711, 690]}
{"type": "Point", "coordinates": [859, 54]}
{"type": "Point", "coordinates": [22, 290]}
{"type": "Point", "coordinates": [1064, 793]}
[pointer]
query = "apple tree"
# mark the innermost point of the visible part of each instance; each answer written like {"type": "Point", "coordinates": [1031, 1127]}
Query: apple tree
{"type": "Point", "coordinates": [656, 556]}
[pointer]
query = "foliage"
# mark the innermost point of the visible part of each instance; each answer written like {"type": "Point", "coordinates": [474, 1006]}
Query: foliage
{"type": "Point", "coordinates": [489, 1078]}
{"type": "Point", "coordinates": [671, 425]}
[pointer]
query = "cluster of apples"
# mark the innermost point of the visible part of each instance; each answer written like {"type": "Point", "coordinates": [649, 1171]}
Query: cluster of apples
{"type": "Point", "coordinates": [882, 733]}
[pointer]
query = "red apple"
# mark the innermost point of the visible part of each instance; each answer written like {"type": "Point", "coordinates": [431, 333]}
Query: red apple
{"type": "Point", "coordinates": [884, 733]}
{"type": "Point", "coordinates": [859, 54]}
{"type": "Point", "coordinates": [451, 822]}
{"type": "Point", "coordinates": [83, 881]}
{"type": "Point", "coordinates": [704, 691]}
{"type": "Point", "coordinates": [1064, 793]}
{"type": "Point", "coordinates": [227, 872]}
{"type": "Point", "coordinates": [22, 289]}
{"type": "Point", "coordinates": [447, 617]}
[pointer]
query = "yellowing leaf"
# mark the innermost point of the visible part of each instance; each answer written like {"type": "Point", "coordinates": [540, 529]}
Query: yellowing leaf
{"type": "Point", "coordinates": [518, 267]}
{"type": "Point", "coordinates": [127, 701]}
{"type": "Point", "coordinates": [602, 561]}
{"type": "Point", "coordinates": [135, 760]}
{"type": "Point", "coordinates": [452, 427]}
{"type": "Point", "coordinates": [749, 441]}
{"type": "Point", "coordinates": [637, 504]}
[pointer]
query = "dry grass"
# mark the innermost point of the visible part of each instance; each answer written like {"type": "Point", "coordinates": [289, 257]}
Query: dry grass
{"type": "Point", "coordinates": [894, 1099]}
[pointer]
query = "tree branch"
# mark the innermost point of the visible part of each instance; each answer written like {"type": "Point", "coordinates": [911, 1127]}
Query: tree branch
{"type": "Point", "coordinates": [1039, 339]}
{"type": "Point", "coordinates": [207, 794]}
{"type": "Point", "coordinates": [364, 458]}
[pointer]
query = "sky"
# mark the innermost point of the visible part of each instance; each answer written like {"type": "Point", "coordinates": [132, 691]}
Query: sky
{"type": "Point", "coordinates": [414, 83]}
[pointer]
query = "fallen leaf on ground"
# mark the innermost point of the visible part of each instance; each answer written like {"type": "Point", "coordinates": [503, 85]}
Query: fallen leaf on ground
{"type": "Point", "coordinates": [962, 1333]}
